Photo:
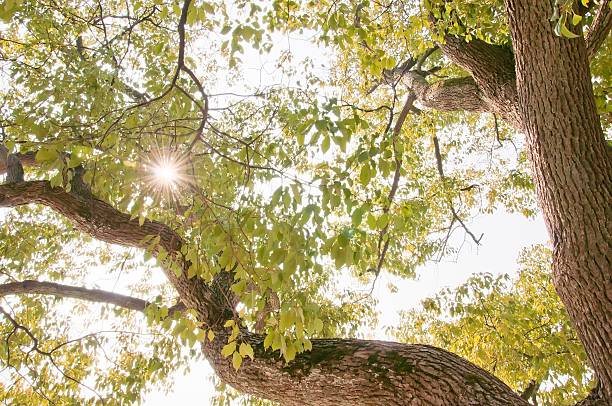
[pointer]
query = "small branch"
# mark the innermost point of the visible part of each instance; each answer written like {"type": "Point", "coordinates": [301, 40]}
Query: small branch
{"type": "Point", "coordinates": [600, 28]}
{"type": "Point", "coordinates": [383, 247]}
{"type": "Point", "coordinates": [531, 390]}
{"type": "Point", "coordinates": [390, 76]}
{"type": "Point", "coordinates": [36, 348]}
{"type": "Point", "coordinates": [456, 216]}
{"type": "Point", "coordinates": [77, 292]}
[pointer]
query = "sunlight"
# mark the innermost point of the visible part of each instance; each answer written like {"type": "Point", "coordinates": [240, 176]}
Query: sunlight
{"type": "Point", "coordinates": [166, 172]}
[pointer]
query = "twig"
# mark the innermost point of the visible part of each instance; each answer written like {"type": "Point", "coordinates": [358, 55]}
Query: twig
{"type": "Point", "coordinates": [456, 216]}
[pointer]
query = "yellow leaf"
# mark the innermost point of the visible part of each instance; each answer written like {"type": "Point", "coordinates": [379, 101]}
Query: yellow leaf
{"type": "Point", "coordinates": [228, 349]}
{"type": "Point", "coordinates": [246, 350]}
{"type": "Point", "coordinates": [236, 360]}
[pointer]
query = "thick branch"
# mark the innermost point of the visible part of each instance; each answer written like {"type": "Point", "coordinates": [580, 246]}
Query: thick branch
{"type": "Point", "coordinates": [461, 94]}
{"type": "Point", "coordinates": [77, 292]}
{"type": "Point", "coordinates": [347, 372]}
{"type": "Point", "coordinates": [600, 28]}
{"type": "Point", "coordinates": [492, 69]}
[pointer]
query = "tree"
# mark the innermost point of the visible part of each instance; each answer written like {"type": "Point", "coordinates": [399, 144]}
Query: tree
{"type": "Point", "coordinates": [112, 107]}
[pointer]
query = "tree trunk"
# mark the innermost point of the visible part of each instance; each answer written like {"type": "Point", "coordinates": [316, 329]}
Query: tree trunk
{"type": "Point", "coordinates": [572, 170]}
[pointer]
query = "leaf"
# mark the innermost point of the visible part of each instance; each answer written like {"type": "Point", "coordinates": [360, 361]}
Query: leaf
{"type": "Point", "coordinates": [269, 339]}
{"type": "Point", "coordinates": [365, 175]}
{"type": "Point", "coordinates": [46, 155]}
{"type": "Point", "coordinates": [357, 216]}
{"type": "Point", "coordinates": [236, 360]}
{"type": "Point", "coordinates": [325, 144]}
{"type": "Point", "coordinates": [211, 335]}
{"type": "Point", "coordinates": [246, 350]}
{"type": "Point", "coordinates": [228, 349]}
{"type": "Point", "coordinates": [290, 352]}
{"type": "Point", "coordinates": [318, 325]}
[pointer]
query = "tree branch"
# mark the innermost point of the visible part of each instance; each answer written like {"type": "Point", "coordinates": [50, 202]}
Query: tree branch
{"type": "Point", "coordinates": [341, 368]}
{"type": "Point", "coordinates": [456, 216]}
{"type": "Point", "coordinates": [460, 94]}
{"type": "Point", "coordinates": [600, 28]}
{"type": "Point", "coordinates": [105, 223]}
{"type": "Point", "coordinates": [492, 68]}
{"type": "Point", "coordinates": [77, 292]}
{"type": "Point", "coordinates": [26, 159]}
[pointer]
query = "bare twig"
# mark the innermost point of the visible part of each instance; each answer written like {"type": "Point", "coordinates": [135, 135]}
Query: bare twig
{"type": "Point", "coordinates": [456, 216]}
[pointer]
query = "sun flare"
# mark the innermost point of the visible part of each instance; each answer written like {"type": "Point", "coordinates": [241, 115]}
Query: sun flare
{"type": "Point", "coordinates": [166, 172]}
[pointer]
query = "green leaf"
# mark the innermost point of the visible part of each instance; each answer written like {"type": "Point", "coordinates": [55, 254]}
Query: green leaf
{"type": "Point", "coordinates": [318, 325]}
{"type": "Point", "coordinates": [357, 216]}
{"type": "Point", "coordinates": [325, 144]}
{"type": "Point", "coordinates": [46, 155]}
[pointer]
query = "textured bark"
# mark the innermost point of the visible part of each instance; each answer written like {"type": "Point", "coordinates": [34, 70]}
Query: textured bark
{"type": "Point", "coordinates": [335, 372]}
{"type": "Point", "coordinates": [461, 94]}
{"type": "Point", "coordinates": [358, 372]}
{"type": "Point", "coordinates": [572, 171]}
{"type": "Point", "coordinates": [492, 69]}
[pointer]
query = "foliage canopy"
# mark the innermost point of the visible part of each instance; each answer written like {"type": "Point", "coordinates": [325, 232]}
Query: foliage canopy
{"type": "Point", "coordinates": [293, 183]}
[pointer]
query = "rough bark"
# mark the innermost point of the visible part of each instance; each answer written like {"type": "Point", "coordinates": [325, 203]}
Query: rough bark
{"type": "Point", "coordinates": [492, 69]}
{"type": "Point", "coordinates": [335, 372]}
{"type": "Point", "coordinates": [572, 171]}
{"type": "Point", "coordinates": [346, 372]}
{"type": "Point", "coordinates": [460, 94]}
